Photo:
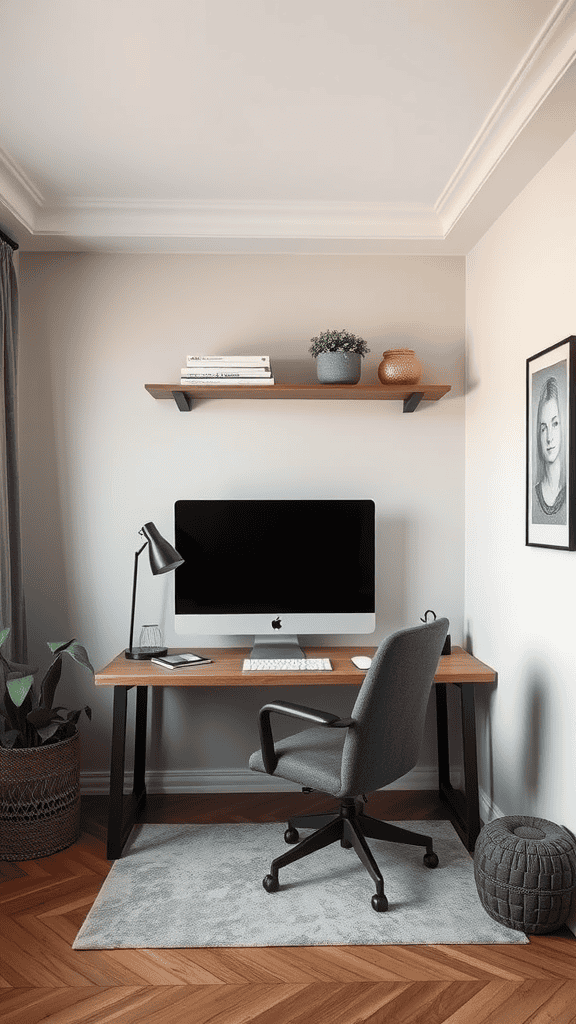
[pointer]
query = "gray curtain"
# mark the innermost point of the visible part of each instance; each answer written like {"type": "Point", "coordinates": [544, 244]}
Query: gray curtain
{"type": "Point", "coordinates": [11, 582]}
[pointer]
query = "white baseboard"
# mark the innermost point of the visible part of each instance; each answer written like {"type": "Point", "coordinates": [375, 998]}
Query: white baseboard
{"type": "Point", "coordinates": [489, 811]}
{"type": "Point", "coordinates": [241, 780]}
{"type": "Point", "coordinates": [216, 781]}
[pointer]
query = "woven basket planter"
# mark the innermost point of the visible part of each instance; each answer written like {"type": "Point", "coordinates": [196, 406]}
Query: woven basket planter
{"type": "Point", "coordinates": [39, 799]}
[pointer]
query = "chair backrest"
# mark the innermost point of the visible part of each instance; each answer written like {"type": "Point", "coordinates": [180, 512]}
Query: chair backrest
{"type": "Point", "coordinates": [390, 709]}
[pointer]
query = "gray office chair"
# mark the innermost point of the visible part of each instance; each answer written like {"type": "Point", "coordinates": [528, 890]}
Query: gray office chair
{"type": "Point", "coordinates": [348, 757]}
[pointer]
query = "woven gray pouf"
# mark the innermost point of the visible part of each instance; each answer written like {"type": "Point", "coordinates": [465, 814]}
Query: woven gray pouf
{"type": "Point", "coordinates": [525, 872]}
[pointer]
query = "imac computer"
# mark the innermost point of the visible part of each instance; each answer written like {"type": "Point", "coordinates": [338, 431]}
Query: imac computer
{"type": "Point", "coordinates": [274, 569]}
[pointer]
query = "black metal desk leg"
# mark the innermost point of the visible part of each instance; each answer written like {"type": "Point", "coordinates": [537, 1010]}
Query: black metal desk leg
{"type": "Point", "coordinates": [464, 806]}
{"type": "Point", "coordinates": [139, 788]}
{"type": "Point", "coordinates": [116, 801]}
{"type": "Point", "coordinates": [122, 813]}
{"type": "Point", "coordinates": [442, 734]}
{"type": "Point", "coordinates": [470, 763]}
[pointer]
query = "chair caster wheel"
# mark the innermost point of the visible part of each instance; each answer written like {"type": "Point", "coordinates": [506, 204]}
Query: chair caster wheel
{"type": "Point", "coordinates": [431, 860]}
{"type": "Point", "coordinates": [379, 903]}
{"type": "Point", "coordinates": [270, 883]}
{"type": "Point", "coordinates": [291, 835]}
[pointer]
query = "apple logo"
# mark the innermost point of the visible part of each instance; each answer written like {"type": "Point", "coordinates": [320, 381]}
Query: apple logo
{"type": "Point", "coordinates": [277, 623]}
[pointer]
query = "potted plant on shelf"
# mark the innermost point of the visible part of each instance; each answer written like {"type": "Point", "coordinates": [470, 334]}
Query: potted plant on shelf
{"type": "Point", "coordinates": [338, 357]}
{"type": "Point", "coordinates": [39, 758]}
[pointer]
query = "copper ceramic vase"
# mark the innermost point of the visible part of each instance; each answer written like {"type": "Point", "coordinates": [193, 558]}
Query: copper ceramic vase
{"type": "Point", "coordinates": [399, 366]}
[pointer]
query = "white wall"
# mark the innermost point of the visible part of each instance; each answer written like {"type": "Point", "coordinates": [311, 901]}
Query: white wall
{"type": "Point", "coordinates": [99, 456]}
{"type": "Point", "coordinates": [521, 298]}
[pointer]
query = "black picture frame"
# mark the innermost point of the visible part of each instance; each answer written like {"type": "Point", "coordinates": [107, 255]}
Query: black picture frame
{"type": "Point", "coordinates": [550, 437]}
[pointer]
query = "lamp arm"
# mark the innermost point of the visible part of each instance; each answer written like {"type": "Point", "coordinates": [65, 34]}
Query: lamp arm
{"type": "Point", "coordinates": [136, 556]}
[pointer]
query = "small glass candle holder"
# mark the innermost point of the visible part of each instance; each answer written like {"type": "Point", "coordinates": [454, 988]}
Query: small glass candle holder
{"type": "Point", "coordinates": [151, 636]}
{"type": "Point", "coordinates": [151, 644]}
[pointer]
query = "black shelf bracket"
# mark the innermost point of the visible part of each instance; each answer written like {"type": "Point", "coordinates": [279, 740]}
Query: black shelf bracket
{"type": "Point", "coordinates": [183, 401]}
{"type": "Point", "coordinates": [412, 403]}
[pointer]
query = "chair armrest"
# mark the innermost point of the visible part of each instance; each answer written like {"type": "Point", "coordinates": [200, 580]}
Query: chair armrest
{"type": "Point", "coordinates": [306, 714]}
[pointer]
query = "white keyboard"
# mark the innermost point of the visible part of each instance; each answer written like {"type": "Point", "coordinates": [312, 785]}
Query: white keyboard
{"type": "Point", "coordinates": [287, 665]}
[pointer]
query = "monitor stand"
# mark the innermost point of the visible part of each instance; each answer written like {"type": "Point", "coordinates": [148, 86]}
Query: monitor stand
{"type": "Point", "coordinates": [276, 648]}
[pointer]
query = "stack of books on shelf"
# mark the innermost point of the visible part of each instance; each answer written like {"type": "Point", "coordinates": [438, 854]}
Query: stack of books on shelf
{"type": "Point", "coordinates": [200, 370]}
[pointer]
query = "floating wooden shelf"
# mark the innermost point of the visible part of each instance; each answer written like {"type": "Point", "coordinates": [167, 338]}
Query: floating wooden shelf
{"type": "Point", "coordinates": [410, 394]}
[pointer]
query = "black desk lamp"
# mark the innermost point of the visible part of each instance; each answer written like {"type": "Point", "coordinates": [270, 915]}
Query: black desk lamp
{"type": "Point", "coordinates": [163, 558]}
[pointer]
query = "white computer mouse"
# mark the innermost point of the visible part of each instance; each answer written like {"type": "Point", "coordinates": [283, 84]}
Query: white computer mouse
{"type": "Point", "coordinates": [361, 662]}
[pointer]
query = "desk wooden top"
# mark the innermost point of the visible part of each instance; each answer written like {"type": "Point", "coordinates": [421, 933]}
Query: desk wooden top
{"type": "Point", "coordinates": [226, 670]}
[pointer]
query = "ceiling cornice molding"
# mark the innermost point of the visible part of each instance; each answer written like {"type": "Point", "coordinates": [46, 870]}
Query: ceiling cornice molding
{"type": "Point", "coordinates": [18, 193]}
{"type": "Point", "coordinates": [538, 74]}
{"type": "Point", "coordinates": [100, 218]}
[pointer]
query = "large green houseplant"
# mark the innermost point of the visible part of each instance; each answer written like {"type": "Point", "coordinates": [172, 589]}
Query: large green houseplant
{"type": "Point", "coordinates": [39, 757]}
{"type": "Point", "coordinates": [338, 356]}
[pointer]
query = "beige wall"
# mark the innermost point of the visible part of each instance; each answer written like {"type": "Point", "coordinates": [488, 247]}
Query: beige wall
{"type": "Point", "coordinates": [520, 600]}
{"type": "Point", "coordinates": [100, 457]}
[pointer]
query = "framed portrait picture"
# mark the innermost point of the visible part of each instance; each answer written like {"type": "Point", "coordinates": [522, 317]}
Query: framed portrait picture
{"type": "Point", "coordinates": [550, 433]}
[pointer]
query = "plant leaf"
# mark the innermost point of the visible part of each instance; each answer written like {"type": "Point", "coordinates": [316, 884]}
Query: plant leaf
{"type": "Point", "coordinates": [12, 714]}
{"type": "Point", "coordinates": [8, 739]}
{"type": "Point", "coordinates": [42, 717]}
{"type": "Point", "coordinates": [80, 654]}
{"type": "Point", "coordinates": [3, 634]}
{"type": "Point", "coordinates": [73, 716]}
{"type": "Point", "coordinates": [48, 731]}
{"type": "Point", "coordinates": [50, 682]}
{"type": "Point", "coordinates": [56, 646]}
{"type": "Point", "coordinates": [19, 689]}
{"type": "Point", "coordinates": [52, 677]}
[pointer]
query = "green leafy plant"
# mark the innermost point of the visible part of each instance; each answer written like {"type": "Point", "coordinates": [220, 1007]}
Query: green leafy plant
{"type": "Point", "coordinates": [29, 716]}
{"type": "Point", "coordinates": [338, 341]}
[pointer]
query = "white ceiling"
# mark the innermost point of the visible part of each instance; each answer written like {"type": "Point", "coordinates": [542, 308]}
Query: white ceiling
{"type": "Point", "coordinates": [276, 125]}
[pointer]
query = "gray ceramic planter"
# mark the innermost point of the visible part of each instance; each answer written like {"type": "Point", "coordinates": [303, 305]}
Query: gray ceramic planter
{"type": "Point", "coordinates": [339, 367]}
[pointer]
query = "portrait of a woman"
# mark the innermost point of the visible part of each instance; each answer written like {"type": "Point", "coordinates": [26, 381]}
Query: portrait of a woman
{"type": "Point", "coordinates": [549, 501]}
{"type": "Point", "coordinates": [551, 446]}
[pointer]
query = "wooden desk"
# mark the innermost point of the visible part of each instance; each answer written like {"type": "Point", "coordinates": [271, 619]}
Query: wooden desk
{"type": "Point", "coordinates": [457, 669]}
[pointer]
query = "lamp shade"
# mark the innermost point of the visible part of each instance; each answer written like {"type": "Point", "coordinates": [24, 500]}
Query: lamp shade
{"type": "Point", "coordinates": [163, 557]}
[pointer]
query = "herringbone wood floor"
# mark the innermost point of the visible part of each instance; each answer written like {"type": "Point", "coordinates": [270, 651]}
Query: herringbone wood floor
{"type": "Point", "coordinates": [43, 903]}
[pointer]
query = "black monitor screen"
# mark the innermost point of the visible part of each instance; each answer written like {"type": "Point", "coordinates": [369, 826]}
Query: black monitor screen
{"type": "Point", "coordinates": [258, 556]}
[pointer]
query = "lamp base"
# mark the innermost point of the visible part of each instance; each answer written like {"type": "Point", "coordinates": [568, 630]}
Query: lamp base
{"type": "Point", "coordinates": [145, 653]}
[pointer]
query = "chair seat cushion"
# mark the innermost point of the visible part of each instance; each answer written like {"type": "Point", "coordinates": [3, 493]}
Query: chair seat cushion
{"type": "Point", "coordinates": [310, 758]}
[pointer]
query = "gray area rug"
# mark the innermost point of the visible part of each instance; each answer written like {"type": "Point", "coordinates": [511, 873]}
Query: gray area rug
{"type": "Point", "coordinates": [186, 886]}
